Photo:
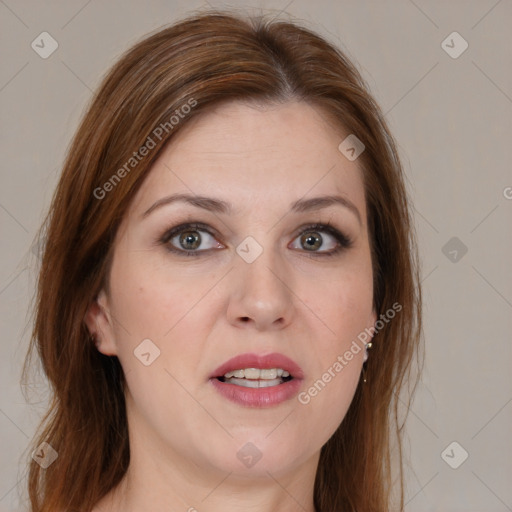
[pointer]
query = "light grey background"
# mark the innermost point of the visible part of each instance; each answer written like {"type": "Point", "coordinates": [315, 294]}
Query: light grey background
{"type": "Point", "coordinates": [452, 118]}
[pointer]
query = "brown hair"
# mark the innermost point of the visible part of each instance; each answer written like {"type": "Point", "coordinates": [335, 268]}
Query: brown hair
{"type": "Point", "coordinates": [203, 60]}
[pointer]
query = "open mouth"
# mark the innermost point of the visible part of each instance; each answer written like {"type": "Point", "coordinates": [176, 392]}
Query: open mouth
{"type": "Point", "coordinates": [256, 378]}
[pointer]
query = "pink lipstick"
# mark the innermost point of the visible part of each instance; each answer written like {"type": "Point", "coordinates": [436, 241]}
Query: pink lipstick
{"type": "Point", "coordinates": [253, 380]}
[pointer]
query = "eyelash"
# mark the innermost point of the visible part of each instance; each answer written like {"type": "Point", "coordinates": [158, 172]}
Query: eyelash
{"type": "Point", "coordinates": [344, 242]}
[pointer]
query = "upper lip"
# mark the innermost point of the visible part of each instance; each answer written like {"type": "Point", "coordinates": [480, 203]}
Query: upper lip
{"type": "Point", "coordinates": [252, 360]}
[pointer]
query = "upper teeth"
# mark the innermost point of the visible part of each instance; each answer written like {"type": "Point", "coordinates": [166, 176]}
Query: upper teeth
{"type": "Point", "coordinates": [256, 373]}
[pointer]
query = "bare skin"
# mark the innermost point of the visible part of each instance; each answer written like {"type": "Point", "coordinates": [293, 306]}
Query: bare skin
{"type": "Point", "coordinates": [202, 310]}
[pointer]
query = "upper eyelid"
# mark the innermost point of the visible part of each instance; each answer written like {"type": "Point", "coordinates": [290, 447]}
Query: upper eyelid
{"type": "Point", "coordinates": [197, 226]}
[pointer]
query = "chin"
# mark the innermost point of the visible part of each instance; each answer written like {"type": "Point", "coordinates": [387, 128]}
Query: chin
{"type": "Point", "coordinates": [256, 456]}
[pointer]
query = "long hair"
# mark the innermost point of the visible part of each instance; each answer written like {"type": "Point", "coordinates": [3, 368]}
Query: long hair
{"type": "Point", "coordinates": [151, 93]}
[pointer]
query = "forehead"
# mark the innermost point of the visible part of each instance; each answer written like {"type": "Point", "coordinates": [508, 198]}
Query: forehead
{"type": "Point", "coordinates": [268, 154]}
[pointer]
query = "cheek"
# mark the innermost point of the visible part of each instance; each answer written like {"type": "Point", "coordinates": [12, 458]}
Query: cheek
{"type": "Point", "coordinates": [176, 313]}
{"type": "Point", "coordinates": [344, 307]}
{"type": "Point", "coordinates": [333, 379]}
{"type": "Point", "coordinates": [326, 398]}
{"type": "Point", "coordinates": [344, 304]}
{"type": "Point", "coordinates": [151, 300]}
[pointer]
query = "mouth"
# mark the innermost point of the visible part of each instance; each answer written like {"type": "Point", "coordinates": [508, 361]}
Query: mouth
{"type": "Point", "coordinates": [256, 377]}
{"type": "Point", "coordinates": [254, 380]}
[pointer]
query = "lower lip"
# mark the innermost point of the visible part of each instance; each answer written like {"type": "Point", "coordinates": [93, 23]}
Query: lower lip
{"type": "Point", "coordinates": [257, 397]}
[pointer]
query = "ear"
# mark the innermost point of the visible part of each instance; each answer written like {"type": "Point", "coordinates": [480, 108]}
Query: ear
{"type": "Point", "coordinates": [100, 325]}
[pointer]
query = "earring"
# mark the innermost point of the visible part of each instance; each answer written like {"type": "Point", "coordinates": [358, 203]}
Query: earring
{"type": "Point", "coordinates": [366, 348]}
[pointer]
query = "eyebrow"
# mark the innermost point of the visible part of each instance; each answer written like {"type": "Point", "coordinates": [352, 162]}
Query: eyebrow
{"type": "Point", "coordinates": [222, 207]}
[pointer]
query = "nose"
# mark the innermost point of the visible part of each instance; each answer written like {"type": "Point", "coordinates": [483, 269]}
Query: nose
{"type": "Point", "coordinates": [261, 294]}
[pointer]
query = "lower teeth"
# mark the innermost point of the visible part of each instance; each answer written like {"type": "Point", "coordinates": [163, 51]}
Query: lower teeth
{"type": "Point", "coordinates": [247, 383]}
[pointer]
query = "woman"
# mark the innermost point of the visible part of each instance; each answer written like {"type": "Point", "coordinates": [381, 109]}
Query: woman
{"type": "Point", "coordinates": [228, 304]}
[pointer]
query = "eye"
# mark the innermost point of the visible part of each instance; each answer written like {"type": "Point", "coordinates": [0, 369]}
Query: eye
{"type": "Point", "coordinates": [322, 236]}
{"type": "Point", "coordinates": [193, 239]}
{"type": "Point", "coordinates": [190, 239]}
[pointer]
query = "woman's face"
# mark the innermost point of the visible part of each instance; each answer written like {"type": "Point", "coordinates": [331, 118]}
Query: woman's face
{"type": "Point", "coordinates": [251, 278]}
